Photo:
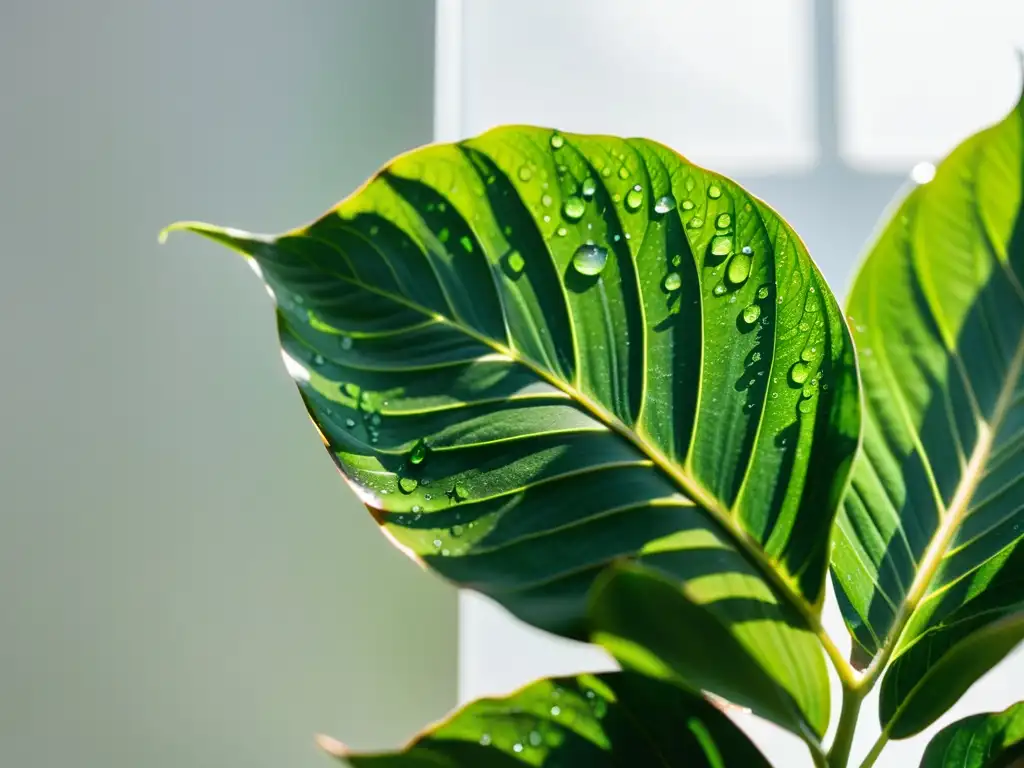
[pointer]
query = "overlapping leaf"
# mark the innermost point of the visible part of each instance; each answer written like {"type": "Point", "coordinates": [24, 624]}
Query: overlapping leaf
{"type": "Point", "coordinates": [992, 740]}
{"type": "Point", "coordinates": [617, 720]}
{"type": "Point", "coordinates": [533, 354]}
{"type": "Point", "coordinates": [928, 561]}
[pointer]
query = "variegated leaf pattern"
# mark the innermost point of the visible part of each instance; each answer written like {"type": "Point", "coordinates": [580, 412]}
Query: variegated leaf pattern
{"type": "Point", "coordinates": [533, 354]}
{"type": "Point", "coordinates": [927, 561]}
{"type": "Point", "coordinates": [617, 720]}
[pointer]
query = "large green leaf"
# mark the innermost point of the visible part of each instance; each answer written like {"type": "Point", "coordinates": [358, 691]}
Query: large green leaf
{"type": "Point", "coordinates": [992, 740]}
{"type": "Point", "coordinates": [928, 562]}
{"type": "Point", "coordinates": [616, 720]}
{"type": "Point", "coordinates": [533, 353]}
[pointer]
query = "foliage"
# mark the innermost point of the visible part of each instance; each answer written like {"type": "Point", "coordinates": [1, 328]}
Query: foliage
{"type": "Point", "coordinates": [610, 390]}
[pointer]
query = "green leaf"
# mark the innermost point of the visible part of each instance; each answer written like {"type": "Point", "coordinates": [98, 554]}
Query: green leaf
{"type": "Point", "coordinates": [676, 630]}
{"type": "Point", "coordinates": [605, 721]}
{"type": "Point", "coordinates": [533, 354]}
{"type": "Point", "coordinates": [928, 546]}
{"type": "Point", "coordinates": [991, 740]}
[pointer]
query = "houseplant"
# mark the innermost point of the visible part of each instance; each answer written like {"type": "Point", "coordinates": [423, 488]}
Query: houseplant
{"type": "Point", "coordinates": [610, 389]}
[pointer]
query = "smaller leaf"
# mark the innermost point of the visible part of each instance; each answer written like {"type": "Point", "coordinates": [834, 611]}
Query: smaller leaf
{"type": "Point", "coordinates": [661, 627]}
{"type": "Point", "coordinates": [616, 720]}
{"type": "Point", "coordinates": [991, 740]}
{"type": "Point", "coordinates": [932, 675]}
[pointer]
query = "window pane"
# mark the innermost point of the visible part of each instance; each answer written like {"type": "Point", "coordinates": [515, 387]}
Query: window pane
{"type": "Point", "coordinates": [917, 77]}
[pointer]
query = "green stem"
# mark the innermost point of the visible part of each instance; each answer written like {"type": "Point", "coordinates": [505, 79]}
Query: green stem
{"type": "Point", "coordinates": [876, 750]}
{"type": "Point", "coordinates": [839, 753]}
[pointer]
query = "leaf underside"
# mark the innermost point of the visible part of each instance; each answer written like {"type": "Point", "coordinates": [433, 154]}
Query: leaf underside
{"type": "Point", "coordinates": [991, 740]}
{"type": "Point", "coordinates": [600, 721]}
{"type": "Point", "coordinates": [929, 534]}
{"type": "Point", "coordinates": [534, 354]}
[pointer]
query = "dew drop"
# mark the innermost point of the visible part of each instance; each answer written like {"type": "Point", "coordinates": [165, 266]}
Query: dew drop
{"type": "Point", "coordinates": [739, 269]}
{"type": "Point", "coordinates": [444, 234]}
{"type": "Point", "coordinates": [756, 358]}
{"type": "Point", "coordinates": [723, 220]}
{"type": "Point", "coordinates": [346, 342]}
{"type": "Point", "coordinates": [525, 174]}
{"type": "Point", "coordinates": [466, 243]}
{"type": "Point", "coordinates": [664, 204]}
{"type": "Point", "coordinates": [589, 187]}
{"type": "Point", "coordinates": [809, 354]}
{"type": "Point", "coordinates": [762, 292]}
{"type": "Point", "coordinates": [418, 453]}
{"type": "Point", "coordinates": [318, 359]}
{"type": "Point", "coordinates": [799, 373]}
{"type": "Point", "coordinates": [546, 201]}
{"type": "Point", "coordinates": [456, 531]}
{"type": "Point", "coordinates": [535, 739]}
{"type": "Point", "coordinates": [556, 711]}
{"type": "Point", "coordinates": [516, 263]}
{"type": "Point", "coordinates": [557, 140]}
{"type": "Point", "coordinates": [561, 231]}
{"type": "Point", "coordinates": [751, 313]}
{"type": "Point", "coordinates": [677, 260]}
{"type": "Point", "coordinates": [517, 747]}
{"type": "Point", "coordinates": [714, 192]}
{"type": "Point", "coordinates": [689, 184]}
{"type": "Point", "coordinates": [635, 198]}
{"type": "Point", "coordinates": [350, 423]}
{"type": "Point", "coordinates": [589, 259]}
{"type": "Point", "coordinates": [459, 492]}
{"type": "Point", "coordinates": [805, 406]}
{"type": "Point", "coordinates": [696, 222]}
{"type": "Point", "coordinates": [672, 281]}
{"type": "Point", "coordinates": [606, 172]}
{"type": "Point", "coordinates": [721, 245]}
{"type": "Point", "coordinates": [623, 172]}
{"type": "Point", "coordinates": [573, 208]}
{"type": "Point", "coordinates": [485, 739]}
{"type": "Point", "coordinates": [417, 509]}
{"type": "Point", "coordinates": [687, 205]}
{"type": "Point", "coordinates": [720, 289]}
{"type": "Point", "coordinates": [747, 250]}
{"type": "Point", "coordinates": [408, 484]}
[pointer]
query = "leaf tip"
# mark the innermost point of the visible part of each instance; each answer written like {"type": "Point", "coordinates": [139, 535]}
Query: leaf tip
{"type": "Point", "coordinates": [236, 239]}
{"type": "Point", "coordinates": [332, 746]}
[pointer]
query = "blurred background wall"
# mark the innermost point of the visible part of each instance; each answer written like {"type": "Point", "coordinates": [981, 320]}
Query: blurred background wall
{"type": "Point", "coordinates": [184, 579]}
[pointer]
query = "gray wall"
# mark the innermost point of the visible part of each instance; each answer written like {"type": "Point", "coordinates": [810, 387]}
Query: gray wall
{"type": "Point", "coordinates": [184, 580]}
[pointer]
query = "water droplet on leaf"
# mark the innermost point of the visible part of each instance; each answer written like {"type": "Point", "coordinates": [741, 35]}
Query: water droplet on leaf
{"type": "Point", "coordinates": [573, 208]}
{"type": "Point", "coordinates": [672, 281]}
{"type": "Point", "coordinates": [799, 373]}
{"type": "Point", "coordinates": [557, 141]}
{"type": "Point", "coordinates": [751, 313]}
{"type": "Point", "coordinates": [623, 172]}
{"type": "Point", "coordinates": [525, 174]}
{"type": "Point", "coordinates": [723, 220]}
{"type": "Point", "coordinates": [714, 192]}
{"type": "Point", "coordinates": [589, 259]}
{"type": "Point", "coordinates": [408, 484]}
{"type": "Point", "coordinates": [739, 269]}
{"type": "Point", "coordinates": [762, 292]}
{"type": "Point", "coordinates": [589, 187]}
{"type": "Point", "coordinates": [418, 453]}
{"type": "Point", "coordinates": [634, 198]}
{"type": "Point", "coordinates": [721, 245]}
{"type": "Point", "coordinates": [664, 204]}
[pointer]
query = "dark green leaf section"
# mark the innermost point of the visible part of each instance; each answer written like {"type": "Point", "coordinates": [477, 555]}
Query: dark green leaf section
{"type": "Point", "coordinates": [991, 740]}
{"type": "Point", "coordinates": [686, 632]}
{"type": "Point", "coordinates": [533, 354]}
{"type": "Point", "coordinates": [618, 720]}
{"type": "Point", "coordinates": [927, 560]}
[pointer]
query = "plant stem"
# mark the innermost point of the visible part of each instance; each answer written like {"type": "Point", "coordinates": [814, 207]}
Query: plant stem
{"type": "Point", "coordinates": [839, 753]}
{"type": "Point", "coordinates": [876, 750]}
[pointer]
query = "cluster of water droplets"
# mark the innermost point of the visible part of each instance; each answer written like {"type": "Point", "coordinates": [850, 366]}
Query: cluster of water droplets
{"type": "Point", "coordinates": [532, 733]}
